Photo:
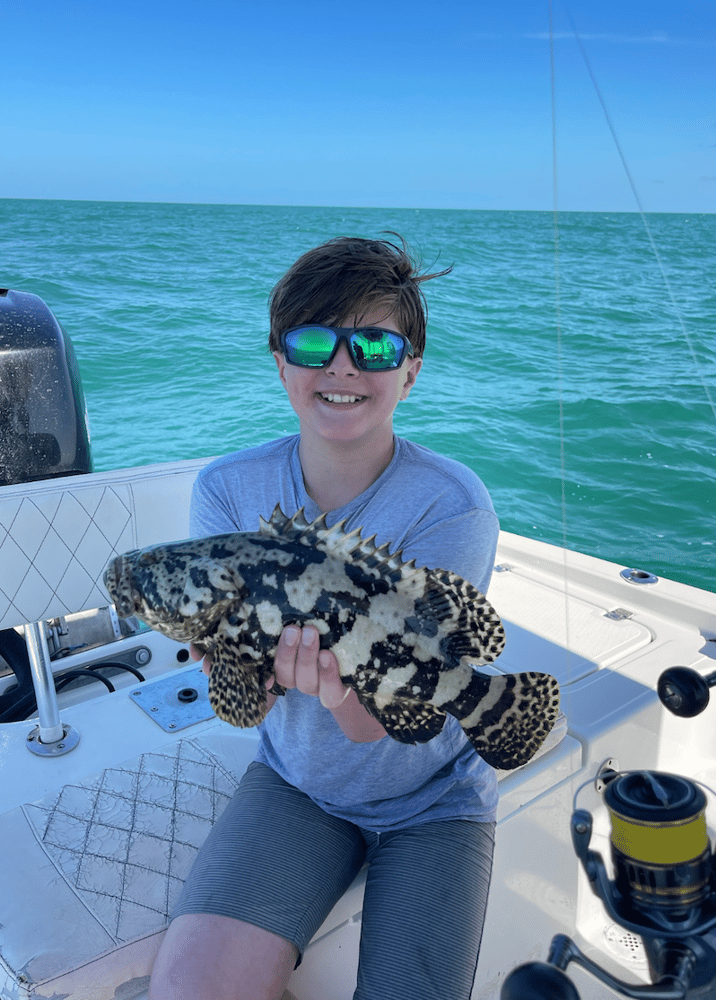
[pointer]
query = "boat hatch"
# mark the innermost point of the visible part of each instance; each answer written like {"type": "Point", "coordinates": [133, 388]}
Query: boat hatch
{"type": "Point", "coordinates": [564, 636]}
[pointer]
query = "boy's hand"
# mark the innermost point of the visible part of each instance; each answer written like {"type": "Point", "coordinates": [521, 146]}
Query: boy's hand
{"type": "Point", "coordinates": [301, 663]}
{"type": "Point", "coordinates": [196, 654]}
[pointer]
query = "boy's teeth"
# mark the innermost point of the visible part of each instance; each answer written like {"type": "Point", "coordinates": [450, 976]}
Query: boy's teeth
{"type": "Point", "coordinates": [333, 397]}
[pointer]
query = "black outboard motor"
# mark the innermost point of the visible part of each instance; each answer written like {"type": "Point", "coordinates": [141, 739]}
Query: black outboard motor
{"type": "Point", "coordinates": [43, 432]}
{"type": "Point", "coordinates": [43, 422]}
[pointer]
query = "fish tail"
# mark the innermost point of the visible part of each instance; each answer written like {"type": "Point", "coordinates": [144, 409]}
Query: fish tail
{"type": "Point", "coordinates": [507, 717]}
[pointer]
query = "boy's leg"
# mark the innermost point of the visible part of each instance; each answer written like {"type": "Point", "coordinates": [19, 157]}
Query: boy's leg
{"type": "Point", "coordinates": [267, 876]}
{"type": "Point", "coordinates": [424, 908]}
{"type": "Point", "coordinates": [205, 957]}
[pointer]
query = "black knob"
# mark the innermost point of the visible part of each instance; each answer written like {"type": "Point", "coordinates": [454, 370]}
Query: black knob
{"type": "Point", "coordinates": [538, 981]}
{"type": "Point", "coordinates": [683, 691]}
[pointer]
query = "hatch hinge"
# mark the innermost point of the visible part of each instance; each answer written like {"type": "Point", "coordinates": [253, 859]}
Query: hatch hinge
{"type": "Point", "coordinates": [618, 614]}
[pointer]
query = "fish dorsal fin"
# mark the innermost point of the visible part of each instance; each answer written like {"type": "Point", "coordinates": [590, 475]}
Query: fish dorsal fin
{"type": "Point", "coordinates": [279, 524]}
{"type": "Point", "coordinates": [337, 542]}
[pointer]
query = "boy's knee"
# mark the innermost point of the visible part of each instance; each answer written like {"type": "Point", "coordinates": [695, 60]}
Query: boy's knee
{"type": "Point", "coordinates": [208, 957]}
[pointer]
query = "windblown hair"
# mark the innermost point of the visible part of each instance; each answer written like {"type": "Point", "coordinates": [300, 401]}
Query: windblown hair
{"type": "Point", "coordinates": [342, 280]}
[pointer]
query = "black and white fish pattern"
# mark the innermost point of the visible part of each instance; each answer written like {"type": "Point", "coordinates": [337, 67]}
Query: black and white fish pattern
{"type": "Point", "coordinates": [410, 641]}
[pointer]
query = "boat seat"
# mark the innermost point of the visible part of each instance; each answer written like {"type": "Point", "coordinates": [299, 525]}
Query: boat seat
{"type": "Point", "coordinates": [57, 536]}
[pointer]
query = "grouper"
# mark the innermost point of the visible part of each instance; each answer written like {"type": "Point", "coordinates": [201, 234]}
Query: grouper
{"type": "Point", "coordinates": [410, 641]}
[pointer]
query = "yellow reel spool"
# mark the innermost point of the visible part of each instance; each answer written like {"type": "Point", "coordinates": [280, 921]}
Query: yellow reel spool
{"type": "Point", "coordinates": [660, 845]}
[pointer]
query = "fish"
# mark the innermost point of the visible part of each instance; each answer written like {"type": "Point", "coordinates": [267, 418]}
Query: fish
{"type": "Point", "coordinates": [409, 640]}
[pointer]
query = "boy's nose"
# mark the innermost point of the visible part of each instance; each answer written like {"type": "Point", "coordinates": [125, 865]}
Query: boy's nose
{"type": "Point", "coordinates": [342, 362]}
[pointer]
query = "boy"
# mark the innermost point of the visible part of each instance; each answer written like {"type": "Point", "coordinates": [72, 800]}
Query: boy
{"type": "Point", "coordinates": [329, 790]}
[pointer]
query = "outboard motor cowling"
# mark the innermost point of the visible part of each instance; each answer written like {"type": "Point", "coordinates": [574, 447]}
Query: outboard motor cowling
{"type": "Point", "coordinates": [44, 433]}
{"type": "Point", "coordinates": [44, 430]}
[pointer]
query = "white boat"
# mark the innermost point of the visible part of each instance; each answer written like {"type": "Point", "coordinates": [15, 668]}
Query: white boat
{"type": "Point", "coordinates": [105, 801]}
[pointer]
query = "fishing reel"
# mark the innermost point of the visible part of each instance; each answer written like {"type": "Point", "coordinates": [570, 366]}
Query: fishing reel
{"type": "Point", "coordinates": [664, 891]}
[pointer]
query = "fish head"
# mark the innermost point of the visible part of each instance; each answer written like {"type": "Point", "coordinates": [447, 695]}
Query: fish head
{"type": "Point", "coordinates": [119, 581]}
{"type": "Point", "coordinates": [179, 588]}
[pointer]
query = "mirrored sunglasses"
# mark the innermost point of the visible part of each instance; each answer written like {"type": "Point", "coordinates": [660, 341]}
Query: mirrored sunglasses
{"type": "Point", "coordinates": [371, 348]}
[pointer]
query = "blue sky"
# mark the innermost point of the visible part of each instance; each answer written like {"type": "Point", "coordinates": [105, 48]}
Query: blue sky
{"type": "Point", "coordinates": [383, 103]}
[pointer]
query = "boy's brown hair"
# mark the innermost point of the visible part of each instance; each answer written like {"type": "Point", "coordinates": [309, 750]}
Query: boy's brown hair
{"type": "Point", "coordinates": [347, 277]}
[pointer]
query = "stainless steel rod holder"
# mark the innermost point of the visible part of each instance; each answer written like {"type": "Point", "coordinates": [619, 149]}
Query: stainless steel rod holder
{"type": "Point", "coordinates": [50, 727]}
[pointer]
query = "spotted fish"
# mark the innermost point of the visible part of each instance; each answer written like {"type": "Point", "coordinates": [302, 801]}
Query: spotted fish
{"type": "Point", "coordinates": [408, 640]}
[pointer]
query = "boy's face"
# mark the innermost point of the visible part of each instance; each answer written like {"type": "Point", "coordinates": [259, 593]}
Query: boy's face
{"type": "Point", "coordinates": [342, 403]}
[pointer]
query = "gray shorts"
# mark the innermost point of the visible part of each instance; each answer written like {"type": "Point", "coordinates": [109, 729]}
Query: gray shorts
{"type": "Point", "coordinates": [276, 860]}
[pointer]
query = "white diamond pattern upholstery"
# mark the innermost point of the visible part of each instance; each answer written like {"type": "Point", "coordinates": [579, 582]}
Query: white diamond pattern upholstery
{"type": "Point", "coordinates": [57, 536]}
{"type": "Point", "coordinates": [53, 554]}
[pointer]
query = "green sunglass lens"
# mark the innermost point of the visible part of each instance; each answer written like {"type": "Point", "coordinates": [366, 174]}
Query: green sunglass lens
{"type": "Point", "coordinates": [377, 349]}
{"type": "Point", "coordinates": [311, 347]}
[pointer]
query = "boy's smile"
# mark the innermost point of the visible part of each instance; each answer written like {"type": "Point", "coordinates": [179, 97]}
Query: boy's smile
{"type": "Point", "coordinates": [341, 398]}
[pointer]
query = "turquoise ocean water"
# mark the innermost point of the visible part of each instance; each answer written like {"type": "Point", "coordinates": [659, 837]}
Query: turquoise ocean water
{"type": "Point", "coordinates": [166, 306]}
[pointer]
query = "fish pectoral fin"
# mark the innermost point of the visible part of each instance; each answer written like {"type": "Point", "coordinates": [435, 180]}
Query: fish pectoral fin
{"type": "Point", "coordinates": [507, 717]}
{"type": "Point", "coordinates": [236, 692]}
{"type": "Point", "coordinates": [406, 721]}
{"type": "Point", "coordinates": [435, 605]}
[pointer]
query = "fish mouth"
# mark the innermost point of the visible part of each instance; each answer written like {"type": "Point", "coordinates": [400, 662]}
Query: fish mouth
{"type": "Point", "coordinates": [118, 581]}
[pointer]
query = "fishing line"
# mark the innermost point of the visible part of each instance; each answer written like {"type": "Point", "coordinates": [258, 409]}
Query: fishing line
{"type": "Point", "coordinates": [654, 249]}
{"type": "Point", "coordinates": [676, 311]}
{"type": "Point", "coordinates": [558, 324]}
